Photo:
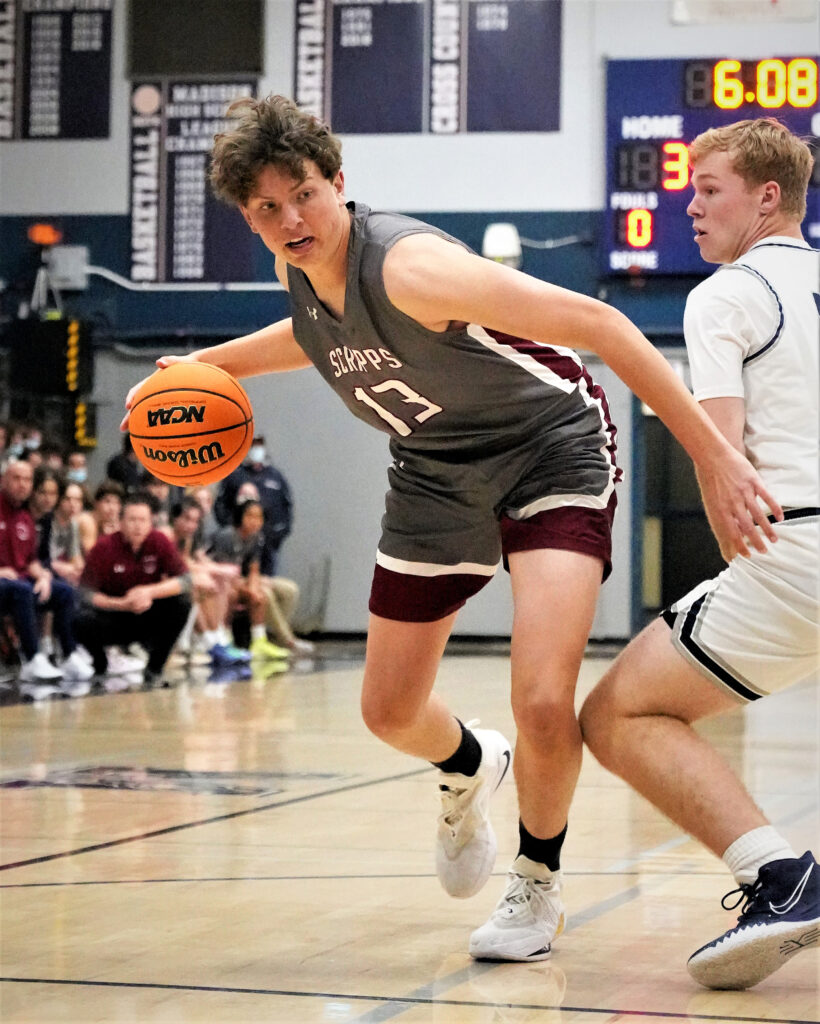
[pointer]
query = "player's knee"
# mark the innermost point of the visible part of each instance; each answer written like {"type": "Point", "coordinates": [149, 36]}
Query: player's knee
{"type": "Point", "coordinates": [595, 719]}
{"type": "Point", "coordinates": [385, 719]}
{"type": "Point", "coordinates": [540, 714]}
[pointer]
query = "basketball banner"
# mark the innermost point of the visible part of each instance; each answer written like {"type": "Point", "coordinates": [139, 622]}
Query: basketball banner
{"type": "Point", "coordinates": [55, 69]}
{"type": "Point", "coordinates": [179, 230]}
{"type": "Point", "coordinates": [442, 66]}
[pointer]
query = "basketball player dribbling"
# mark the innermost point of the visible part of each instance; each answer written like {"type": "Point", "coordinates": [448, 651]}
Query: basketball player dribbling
{"type": "Point", "coordinates": [752, 332]}
{"type": "Point", "coordinates": [502, 448]}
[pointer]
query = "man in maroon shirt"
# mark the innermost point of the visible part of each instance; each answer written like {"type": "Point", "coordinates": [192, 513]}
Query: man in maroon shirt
{"type": "Point", "coordinates": [27, 587]}
{"type": "Point", "coordinates": [135, 587]}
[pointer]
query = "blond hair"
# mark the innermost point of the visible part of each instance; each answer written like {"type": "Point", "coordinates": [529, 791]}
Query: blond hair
{"type": "Point", "coordinates": [763, 150]}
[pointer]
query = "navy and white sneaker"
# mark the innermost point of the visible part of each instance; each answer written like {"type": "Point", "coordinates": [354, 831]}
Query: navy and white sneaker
{"type": "Point", "coordinates": [780, 917]}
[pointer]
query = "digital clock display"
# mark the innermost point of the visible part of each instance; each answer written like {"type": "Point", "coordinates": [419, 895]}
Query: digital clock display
{"type": "Point", "coordinates": [654, 110]}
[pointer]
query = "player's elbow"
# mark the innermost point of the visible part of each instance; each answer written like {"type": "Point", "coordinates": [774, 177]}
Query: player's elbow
{"type": "Point", "coordinates": [602, 326]}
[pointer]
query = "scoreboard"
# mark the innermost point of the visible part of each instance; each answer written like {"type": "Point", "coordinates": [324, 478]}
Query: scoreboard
{"type": "Point", "coordinates": [654, 110]}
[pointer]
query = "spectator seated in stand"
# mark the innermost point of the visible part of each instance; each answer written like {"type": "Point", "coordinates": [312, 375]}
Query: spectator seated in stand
{"type": "Point", "coordinates": [47, 490]}
{"type": "Point", "coordinates": [213, 585]}
{"type": "Point", "coordinates": [104, 517]}
{"type": "Point", "coordinates": [45, 493]}
{"type": "Point", "coordinates": [259, 477]}
{"type": "Point", "coordinates": [27, 588]}
{"type": "Point", "coordinates": [136, 587]}
{"type": "Point", "coordinates": [60, 543]}
{"type": "Point", "coordinates": [204, 494]}
{"type": "Point", "coordinates": [268, 601]}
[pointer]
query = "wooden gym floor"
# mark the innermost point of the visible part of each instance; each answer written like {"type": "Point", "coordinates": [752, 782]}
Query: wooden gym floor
{"type": "Point", "coordinates": [246, 851]}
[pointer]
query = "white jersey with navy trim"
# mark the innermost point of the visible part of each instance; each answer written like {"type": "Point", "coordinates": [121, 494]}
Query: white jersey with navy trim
{"type": "Point", "coordinates": [753, 331]}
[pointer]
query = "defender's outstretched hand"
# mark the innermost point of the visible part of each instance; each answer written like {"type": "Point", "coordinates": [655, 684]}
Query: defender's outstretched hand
{"type": "Point", "coordinates": [735, 500]}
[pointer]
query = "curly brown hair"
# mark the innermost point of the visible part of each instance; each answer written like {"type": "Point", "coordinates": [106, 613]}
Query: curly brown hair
{"type": "Point", "coordinates": [269, 131]}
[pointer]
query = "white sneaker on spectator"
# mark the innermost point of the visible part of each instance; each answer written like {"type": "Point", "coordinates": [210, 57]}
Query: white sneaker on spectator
{"type": "Point", "coordinates": [38, 691]}
{"type": "Point", "coordinates": [76, 669]}
{"type": "Point", "coordinates": [81, 652]}
{"type": "Point", "coordinates": [39, 669]}
{"type": "Point", "coordinates": [117, 684]}
{"type": "Point", "coordinates": [75, 687]}
{"type": "Point", "coordinates": [137, 651]}
{"type": "Point", "coordinates": [120, 664]}
{"type": "Point", "coordinates": [197, 652]}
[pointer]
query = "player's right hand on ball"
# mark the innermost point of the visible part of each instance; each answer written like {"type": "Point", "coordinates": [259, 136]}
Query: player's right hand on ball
{"type": "Point", "coordinates": [162, 362]}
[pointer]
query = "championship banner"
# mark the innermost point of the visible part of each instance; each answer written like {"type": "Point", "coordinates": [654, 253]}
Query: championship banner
{"type": "Point", "coordinates": [55, 69]}
{"type": "Point", "coordinates": [179, 230]}
{"type": "Point", "coordinates": [441, 66]}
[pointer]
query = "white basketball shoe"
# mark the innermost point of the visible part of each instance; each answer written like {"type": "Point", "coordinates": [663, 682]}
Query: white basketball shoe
{"type": "Point", "coordinates": [466, 845]}
{"type": "Point", "coordinates": [527, 918]}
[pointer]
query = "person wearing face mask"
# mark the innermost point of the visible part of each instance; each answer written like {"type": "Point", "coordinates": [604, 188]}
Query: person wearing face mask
{"type": "Point", "coordinates": [274, 496]}
{"type": "Point", "coordinates": [33, 438]}
{"type": "Point", "coordinates": [76, 471]}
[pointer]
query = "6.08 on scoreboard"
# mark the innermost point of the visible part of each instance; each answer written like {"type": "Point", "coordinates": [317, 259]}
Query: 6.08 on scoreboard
{"type": "Point", "coordinates": [654, 110]}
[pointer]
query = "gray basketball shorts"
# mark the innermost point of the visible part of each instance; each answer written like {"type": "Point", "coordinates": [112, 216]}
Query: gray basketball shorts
{"type": "Point", "coordinates": [450, 522]}
{"type": "Point", "coordinates": [754, 628]}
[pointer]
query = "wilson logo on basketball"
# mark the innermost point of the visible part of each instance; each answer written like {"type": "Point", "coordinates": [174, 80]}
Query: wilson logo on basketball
{"type": "Point", "coordinates": [190, 423]}
{"type": "Point", "coordinates": [176, 414]}
{"type": "Point", "coordinates": [184, 457]}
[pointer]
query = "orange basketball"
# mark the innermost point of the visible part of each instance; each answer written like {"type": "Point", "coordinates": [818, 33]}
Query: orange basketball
{"type": "Point", "coordinates": [191, 423]}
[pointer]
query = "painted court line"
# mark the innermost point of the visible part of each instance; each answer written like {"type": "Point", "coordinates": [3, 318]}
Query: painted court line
{"type": "Point", "coordinates": [408, 1000]}
{"type": "Point", "coordinates": [210, 821]}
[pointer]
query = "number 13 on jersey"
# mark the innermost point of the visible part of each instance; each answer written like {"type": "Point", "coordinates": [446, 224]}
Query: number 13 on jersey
{"type": "Point", "coordinates": [407, 397]}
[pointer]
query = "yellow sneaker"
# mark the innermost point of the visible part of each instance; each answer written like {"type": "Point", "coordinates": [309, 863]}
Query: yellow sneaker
{"type": "Point", "coordinates": [264, 649]}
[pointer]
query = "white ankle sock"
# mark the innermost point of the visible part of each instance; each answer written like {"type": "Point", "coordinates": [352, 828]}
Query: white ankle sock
{"type": "Point", "coordinates": [258, 631]}
{"type": "Point", "coordinates": [210, 638]}
{"type": "Point", "coordinates": [747, 855]}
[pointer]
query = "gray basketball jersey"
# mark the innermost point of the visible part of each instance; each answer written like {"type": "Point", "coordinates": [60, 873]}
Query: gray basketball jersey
{"type": "Point", "coordinates": [461, 393]}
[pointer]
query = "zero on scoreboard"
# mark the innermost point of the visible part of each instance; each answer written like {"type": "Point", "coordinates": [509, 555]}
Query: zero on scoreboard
{"type": "Point", "coordinates": [654, 110]}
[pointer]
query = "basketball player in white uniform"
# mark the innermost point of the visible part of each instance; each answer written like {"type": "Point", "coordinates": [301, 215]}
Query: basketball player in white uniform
{"type": "Point", "coordinates": [502, 449]}
{"type": "Point", "coordinates": [752, 333]}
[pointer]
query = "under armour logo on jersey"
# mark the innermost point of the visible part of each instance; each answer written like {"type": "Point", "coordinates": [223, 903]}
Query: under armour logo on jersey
{"type": "Point", "coordinates": [313, 313]}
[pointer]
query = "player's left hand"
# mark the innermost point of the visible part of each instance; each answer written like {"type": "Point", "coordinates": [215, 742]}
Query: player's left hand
{"type": "Point", "coordinates": [162, 362]}
{"type": "Point", "coordinates": [737, 505]}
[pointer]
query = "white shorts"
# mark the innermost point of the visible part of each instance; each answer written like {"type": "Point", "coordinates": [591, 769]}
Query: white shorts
{"type": "Point", "coordinates": [754, 628]}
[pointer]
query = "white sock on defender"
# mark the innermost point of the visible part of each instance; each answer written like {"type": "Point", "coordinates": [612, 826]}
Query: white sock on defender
{"type": "Point", "coordinates": [747, 855]}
